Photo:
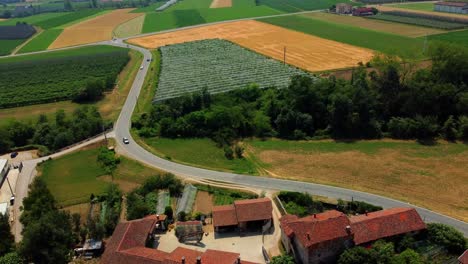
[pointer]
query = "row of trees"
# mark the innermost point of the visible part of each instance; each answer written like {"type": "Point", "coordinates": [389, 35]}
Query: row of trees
{"type": "Point", "coordinates": [56, 133]}
{"type": "Point", "coordinates": [393, 100]}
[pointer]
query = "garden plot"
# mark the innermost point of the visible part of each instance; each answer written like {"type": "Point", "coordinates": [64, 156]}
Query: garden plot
{"type": "Point", "coordinates": [163, 201]}
{"type": "Point", "coordinates": [219, 66]}
{"type": "Point", "coordinates": [185, 203]}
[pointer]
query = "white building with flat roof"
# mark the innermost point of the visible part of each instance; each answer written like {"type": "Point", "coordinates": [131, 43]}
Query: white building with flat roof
{"type": "Point", "coordinates": [3, 208]}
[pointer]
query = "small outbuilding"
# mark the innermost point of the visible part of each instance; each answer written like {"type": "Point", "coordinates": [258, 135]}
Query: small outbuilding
{"type": "Point", "coordinates": [243, 214]}
{"type": "Point", "coordinates": [189, 231]}
{"type": "Point", "coordinates": [363, 11]}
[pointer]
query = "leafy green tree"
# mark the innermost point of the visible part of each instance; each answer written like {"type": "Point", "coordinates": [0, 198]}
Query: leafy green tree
{"type": "Point", "coordinates": [283, 259]}
{"type": "Point", "coordinates": [169, 212]}
{"type": "Point", "coordinates": [447, 236]}
{"type": "Point", "coordinates": [449, 130]}
{"type": "Point", "coordinates": [5, 142]}
{"type": "Point", "coordinates": [228, 153]}
{"type": "Point", "coordinates": [48, 239]}
{"type": "Point", "coordinates": [108, 160]}
{"type": "Point", "coordinates": [408, 256]}
{"type": "Point", "coordinates": [11, 258]}
{"type": "Point", "coordinates": [7, 241]}
{"type": "Point", "coordinates": [463, 127]}
{"type": "Point", "coordinates": [38, 203]}
{"type": "Point", "coordinates": [239, 150]}
{"type": "Point", "coordinates": [67, 5]}
{"type": "Point", "coordinates": [356, 255]}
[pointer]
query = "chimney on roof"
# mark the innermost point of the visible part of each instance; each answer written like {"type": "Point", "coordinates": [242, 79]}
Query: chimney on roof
{"type": "Point", "coordinates": [238, 260]}
{"type": "Point", "coordinates": [183, 260]}
{"type": "Point", "coordinates": [157, 217]}
{"type": "Point", "coordinates": [366, 213]}
{"type": "Point", "coordinates": [315, 215]}
{"type": "Point", "coordinates": [308, 236]}
{"type": "Point", "coordinates": [348, 229]}
{"type": "Point", "coordinates": [198, 260]}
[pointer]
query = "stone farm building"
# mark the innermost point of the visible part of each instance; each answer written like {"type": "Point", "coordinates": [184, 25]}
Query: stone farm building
{"type": "Point", "coordinates": [344, 8]}
{"type": "Point", "coordinates": [244, 215]}
{"type": "Point", "coordinates": [452, 7]}
{"type": "Point", "coordinates": [128, 246]}
{"type": "Point", "coordinates": [321, 238]}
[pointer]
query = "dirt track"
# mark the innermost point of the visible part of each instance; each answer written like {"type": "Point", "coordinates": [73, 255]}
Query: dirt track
{"type": "Point", "coordinates": [302, 50]}
{"type": "Point", "coordinates": [93, 30]}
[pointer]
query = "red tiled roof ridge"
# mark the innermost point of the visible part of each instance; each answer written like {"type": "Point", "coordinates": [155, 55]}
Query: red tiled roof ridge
{"type": "Point", "coordinates": [223, 207]}
{"type": "Point", "coordinates": [379, 214]}
{"type": "Point", "coordinates": [123, 236]}
{"type": "Point", "coordinates": [252, 201]}
{"type": "Point", "coordinates": [464, 257]}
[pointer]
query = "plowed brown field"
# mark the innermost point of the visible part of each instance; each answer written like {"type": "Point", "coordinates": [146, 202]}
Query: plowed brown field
{"type": "Point", "coordinates": [93, 30]}
{"type": "Point", "coordinates": [378, 25]}
{"type": "Point", "coordinates": [221, 3]}
{"type": "Point", "coordinates": [304, 51]}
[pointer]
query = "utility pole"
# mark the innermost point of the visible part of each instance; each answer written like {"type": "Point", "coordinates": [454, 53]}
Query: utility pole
{"type": "Point", "coordinates": [11, 190]}
{"type": "Point", "coordinates": [105, 135]}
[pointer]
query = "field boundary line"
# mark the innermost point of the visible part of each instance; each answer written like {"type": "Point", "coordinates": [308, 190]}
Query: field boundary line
{"type": "Point", "coordinates": [38, 32]}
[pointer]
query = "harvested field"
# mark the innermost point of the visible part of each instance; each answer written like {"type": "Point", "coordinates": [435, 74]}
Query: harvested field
{"type": "Point", "coordinates": [377, 25]}
{"type": "Point", "coordinates": [93, 30]}
{"type": "Point", "coordinates": [130, 28]}
{"type": "Point", "coordinates": [392, 8]}
{"type": "Point", "coordinates": [221, 3]}
{"type": "Point", "coordinates": [304, 51]}
{"type": "Point", "coordinates": [203, 202]}
{"type": "Point", "coordinates": [403, 170]}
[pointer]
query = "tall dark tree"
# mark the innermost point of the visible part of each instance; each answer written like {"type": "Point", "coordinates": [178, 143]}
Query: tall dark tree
{"type": "Point", "coordinates": [7, 241]}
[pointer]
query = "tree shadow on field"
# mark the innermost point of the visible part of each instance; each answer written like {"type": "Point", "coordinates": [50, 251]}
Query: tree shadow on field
{"type": "Point", "coordinates": [427, 142]}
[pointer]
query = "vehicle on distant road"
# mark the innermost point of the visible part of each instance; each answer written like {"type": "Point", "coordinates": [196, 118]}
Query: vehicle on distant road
{"type": "Point", "coordinates": [13, 155]}
{"type": "Point", "coordinates": [141, 68]}
{"type": "Point", "coordinates": [125, 140]}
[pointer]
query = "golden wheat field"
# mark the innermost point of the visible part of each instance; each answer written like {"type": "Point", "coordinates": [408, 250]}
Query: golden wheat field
{"type": "Point", "coordinates": [304, 51]}
{"type": "Point", "coordinates": [93, 30]}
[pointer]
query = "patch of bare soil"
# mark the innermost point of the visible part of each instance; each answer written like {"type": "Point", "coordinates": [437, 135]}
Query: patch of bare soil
{"type": "Point", "coordinates": [437, 183]}
{"type": "Point", "coordinates": [203, 202]}
{"type": "Point", "coordinates": [221, 3]}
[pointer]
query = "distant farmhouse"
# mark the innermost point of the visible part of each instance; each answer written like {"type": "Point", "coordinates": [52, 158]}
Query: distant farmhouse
{"type": "Point", "coordinates": [129, 241]}
{"type": "Point", "coordinates": [452, 7]}
{"type": "Point", "coordinates": [363, 11]}
{"type": "Point", "coordinates": [344, 8]}
{"type": "Point", "coordinates": [321, 238]}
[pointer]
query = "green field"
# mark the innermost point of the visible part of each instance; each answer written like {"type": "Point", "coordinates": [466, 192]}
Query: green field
{"type": "Point", "coordinates": [72, 183]}
{"type": "Point", "coordinates": [36, 79]}
{"type": "Point", "coordinates": [7, 45]}
{"type": "Point", "coordinates": [458, 37]}
{"type": "Point", "coordinates": [198, 152]}
{"type": "Point", "coordinates": [300, 5]}
{"type": "Point", "coordinates": [187, 17]}
{"type": "Point", "coordinates": [66, 19]}
{"type": "Point", "coordinates": [42, 41]}
{"type": "Point", "coordinates": [223, 196]}
{"type": "Point", "coordinates": [416, 6]}
{"type": "Point", "coordinates": [384, 42]}
{"type": "Point", "coordinates": [33, 20]}
{"type": "Point", "coordinates": [69, 181]}
{"type": "Point", "coordinates": [418, 21]}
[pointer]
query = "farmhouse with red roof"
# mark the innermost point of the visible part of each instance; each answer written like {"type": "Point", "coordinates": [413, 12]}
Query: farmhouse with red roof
{"type": "Point", "coordinates": [321, 238]}
{"type": "Point", "coordinates": [243, 214]}
{"type": "Point", "coordinates": [128, 246]}
{"type": "Point", "coordinates": [463, 259]}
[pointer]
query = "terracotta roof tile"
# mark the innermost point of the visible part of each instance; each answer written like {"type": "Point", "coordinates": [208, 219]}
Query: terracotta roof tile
{"type": "Point", "coordinates": [224, 215]}
{"type": "Point", "coordinates": [253, 209]}
{"type": "Point", "coordinates": [385, 223]}
{"type": "Point", "coordinates": [175, 257]}
{"type": "Point", "coordinates": [463, 259]}
{"type": "Point", "coordinates": [219, 257]}
{"type": "Point", "coordinates": [157, 256]}
{"type": "Point", "coordinates": [313, 230]}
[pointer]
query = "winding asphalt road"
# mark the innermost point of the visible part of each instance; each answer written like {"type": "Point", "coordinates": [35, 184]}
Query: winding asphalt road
{"type": "Point", "coordinates": [122, 129]}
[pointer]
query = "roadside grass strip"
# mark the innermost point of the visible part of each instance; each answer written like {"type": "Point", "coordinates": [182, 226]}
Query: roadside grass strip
{"type": "Point", "coordinates": [219, 66]}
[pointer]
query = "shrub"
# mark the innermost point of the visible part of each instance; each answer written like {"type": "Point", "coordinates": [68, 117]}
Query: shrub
{"type": "Point", "coordinates": [446, 236]}
{"type": "Point", "coordinates": [228, 153]}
